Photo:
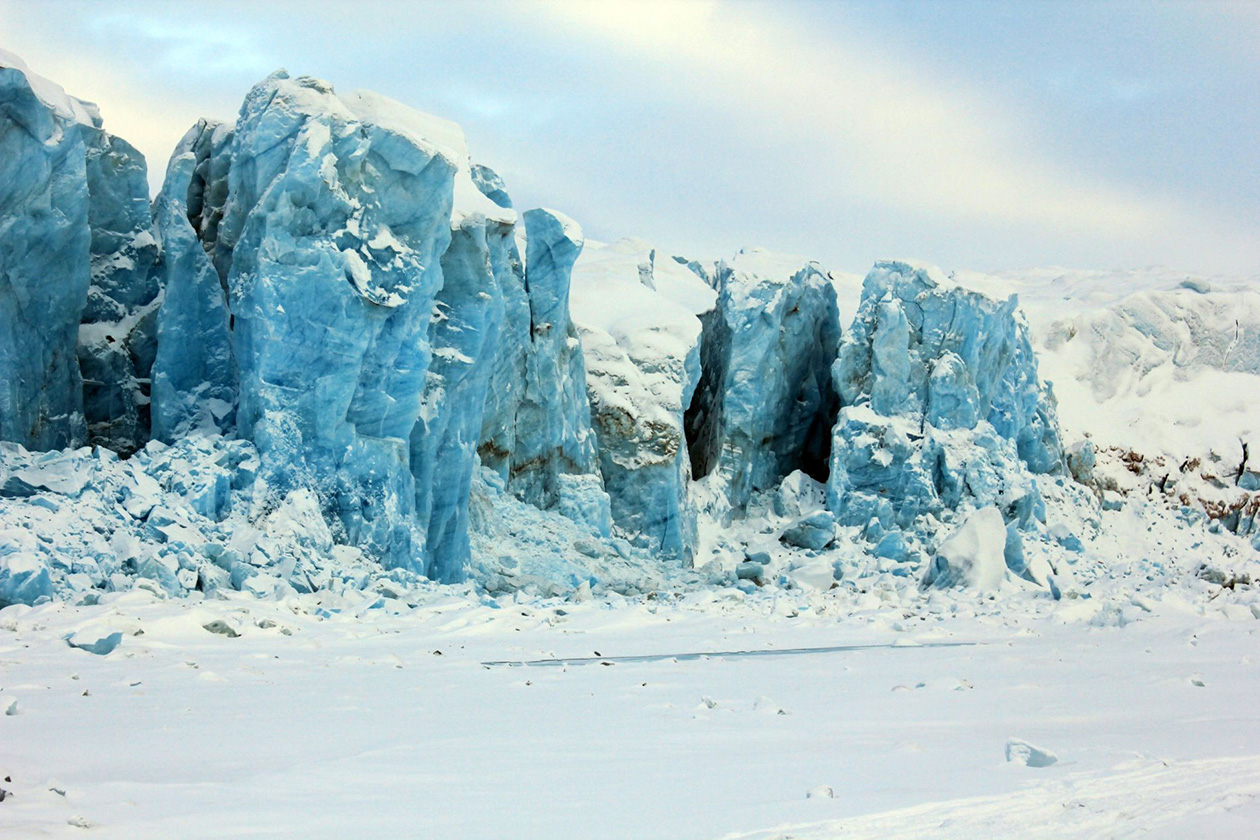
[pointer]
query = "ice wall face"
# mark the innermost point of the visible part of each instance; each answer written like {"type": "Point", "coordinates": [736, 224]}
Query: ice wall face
{"type": "Point", "coordinates": [553, 461]}
{"type": "Point", "coordinates": [943, 410]}
{"type": "Point", "coordinates": [782, 328]}
{"type": "Point", "coordinates": [118, 338]}
{"type": "Point", "coordinates": [641, 341]}
{"type": "Point", "coordinates": [192, 391]}
{"type": "Point", "coordinates": [507, 377]}
{"type": "Point", "coordinates": [44, 261]}
{"type": "Point", "coordinates": [338, 213]}
{"type": "Point", "coordinates": [444, 441]}
{"type": "Point", "coordinates": [465, 335]}
{"type": "Point", "coordinates": [78, 249]}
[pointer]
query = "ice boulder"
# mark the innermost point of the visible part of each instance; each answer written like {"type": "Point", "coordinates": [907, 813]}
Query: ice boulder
{"type": "Point", "coordinates": [766, 403]}
{"type": "Point", "coordinates": [973, 555]}
{"type": "Point", "coordinates": [45, 269]}
{"type": "Point", "coordinates": [637, 316]}
{"type": "Point", "coordinates": [943, 411]}
{"type": "Point", "coordinates": [24, 576]}
{"type": "Point", "coordinates": [815, 531]}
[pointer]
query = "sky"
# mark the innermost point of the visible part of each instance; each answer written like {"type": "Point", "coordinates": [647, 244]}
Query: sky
{"type": "Point", "coordinates": [971, 134]}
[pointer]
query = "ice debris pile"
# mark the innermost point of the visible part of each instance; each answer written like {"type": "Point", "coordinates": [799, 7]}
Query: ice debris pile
{"type": "Point", "coordinates": [331, 354]}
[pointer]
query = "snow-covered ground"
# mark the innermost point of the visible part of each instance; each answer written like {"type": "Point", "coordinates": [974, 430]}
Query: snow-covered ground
{"type": "Point", "coordinates": [703, 709]}
{"type": "Point", "coordinates": [322, 717]}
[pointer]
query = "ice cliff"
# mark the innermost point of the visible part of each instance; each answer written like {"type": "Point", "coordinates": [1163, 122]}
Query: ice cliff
{"type": "Point", "coordinates": [765, 405]}
{"type": "Point", "coordinates": [332, 354]}
{"type": "Point", "coordinates": [637, 316]}
{"type": "Point", "coordinates": [943, 413]}
{"type": "Point", "coordinates": [78, 249]}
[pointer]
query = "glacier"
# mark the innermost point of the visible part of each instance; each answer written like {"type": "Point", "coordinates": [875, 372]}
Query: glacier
{"type": "Point", "coordinates": [332, 355]}
{"type": "Point", "coordinates": [464, 333]}
{"type": "Point", "coordinates": [191, 392]}
{"type": "Point", "coordinates": [771, 402]}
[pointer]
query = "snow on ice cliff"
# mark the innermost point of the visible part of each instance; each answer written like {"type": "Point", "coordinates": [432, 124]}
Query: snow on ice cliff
{"type": "Point", "coordinates": [332, 356]}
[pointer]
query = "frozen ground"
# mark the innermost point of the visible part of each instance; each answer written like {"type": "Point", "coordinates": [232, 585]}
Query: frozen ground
{"type": "Point", "coordinates": [327, 718]}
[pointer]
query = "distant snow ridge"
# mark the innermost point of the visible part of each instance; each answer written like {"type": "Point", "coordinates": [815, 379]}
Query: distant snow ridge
{"type": "Point", "coordinates": [331, 355]}
{"type": "Point", "coordinates": [1164, 381]}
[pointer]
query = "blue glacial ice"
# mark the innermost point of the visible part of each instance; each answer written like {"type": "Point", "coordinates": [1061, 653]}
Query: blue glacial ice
{"type": "Point", "coordinates": [331, 355]}
{"type": "Point", "coordinates": [45, 271]}
{"type": "Point", "coordinates": [464, 333]}
{"type": "Point", "coordinates": [943, 411]}
{"type": "Point", "coordinates": [553, 461]}
{"type": "Point", "coordinates": [191, 392]}
{"type": "Point", "coordinates": [118, 336]}
{"type": "Point", "coordinates": [767, 403]}
{"type": "Point", "coordinates": [337, 215]}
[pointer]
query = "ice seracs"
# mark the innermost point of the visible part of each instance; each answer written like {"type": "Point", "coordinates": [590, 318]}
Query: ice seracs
{"type": "Point", "coordinates": [332, 356]}
{"type": "Point", "coordinates": [943, 411]}
{"type": "Point", "coordinates": [766, 402]}
{"type": "Point", "coordinates": [465, 332]}
{"type": "Point", "coordinates": [554, 462]}
{"type": "Point", "coordinates": [191, 392]}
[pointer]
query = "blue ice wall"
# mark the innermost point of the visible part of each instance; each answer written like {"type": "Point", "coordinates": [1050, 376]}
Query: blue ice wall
{"type": "Point", "coordinates": [781, 333]}
{"type": "Point", "coordinates": [194, 373]}
{"type": "Point", "coordinates": [553, 420]}
{"type": "Point", "coordinates": [942, 410]}
{"type": "Point", "coordinates": [118, 338]}
{"type": "Point", "coordinates": [337, 215]}
{"type": "Point", "coordinates": [44, 259]}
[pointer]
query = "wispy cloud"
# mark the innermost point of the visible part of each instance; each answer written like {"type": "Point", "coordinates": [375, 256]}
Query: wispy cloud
{"type": "Point", "coordinates": [709, 125]}
{"type": "Point", "coordinates": [875, 127]}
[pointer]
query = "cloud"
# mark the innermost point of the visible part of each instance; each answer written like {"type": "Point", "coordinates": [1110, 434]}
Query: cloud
{"type": "Point", "coordinates": [703, 125]}
{"type": "Point", "coordinates": [875, 125]}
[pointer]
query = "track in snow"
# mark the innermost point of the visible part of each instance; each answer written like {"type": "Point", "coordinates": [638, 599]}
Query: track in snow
{"type": "Point", "coordinates": [715, 654]}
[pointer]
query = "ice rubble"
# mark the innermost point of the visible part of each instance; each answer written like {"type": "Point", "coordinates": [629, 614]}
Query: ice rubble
{"type": "Point", "coordinates": [178, 519]}
{"type": "Point", "coordinates": [368, 371]}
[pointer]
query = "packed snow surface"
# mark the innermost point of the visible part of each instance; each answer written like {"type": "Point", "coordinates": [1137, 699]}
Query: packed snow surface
{"type": "Point", "coordinates": [282, 718]}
